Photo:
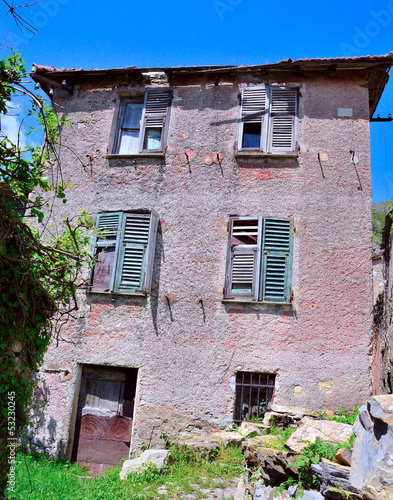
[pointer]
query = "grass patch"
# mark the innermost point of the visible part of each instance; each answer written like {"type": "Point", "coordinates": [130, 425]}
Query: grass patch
{"type": "Point", "coordinates": [58, 480]}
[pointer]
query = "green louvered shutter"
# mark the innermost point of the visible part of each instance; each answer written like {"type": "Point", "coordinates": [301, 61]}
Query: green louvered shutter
{"type": "Point", "coordinates": [132, 257]}
{"type": "Point", "coordinates": [105, 251]}
{"type": "Point", "coordinates": [276, 261]}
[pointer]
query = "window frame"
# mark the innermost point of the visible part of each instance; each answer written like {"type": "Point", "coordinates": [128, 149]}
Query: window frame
{"type": "Point", "coordinates": [120, 244]}
{"type": "Point", "coordinates": [125, 97]}
{"type": "Point", "coordinates": [258, 292]}
{"type": "Point", "coordinates": [267, 118]}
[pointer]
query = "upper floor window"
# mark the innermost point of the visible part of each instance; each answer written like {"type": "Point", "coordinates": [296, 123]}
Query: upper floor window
{"type": "Point", "coordinates": [268, 120]}
{"type": "Point", "coordinates": [142, 123]}
{"type": "Point", "coordinates": [124, 252]}
{"type": "Point", "coordinates": [259, 264]}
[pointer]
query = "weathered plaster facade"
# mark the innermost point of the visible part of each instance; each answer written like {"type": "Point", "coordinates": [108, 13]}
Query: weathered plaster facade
{"type": "Point", "coordinates": [186, 341]}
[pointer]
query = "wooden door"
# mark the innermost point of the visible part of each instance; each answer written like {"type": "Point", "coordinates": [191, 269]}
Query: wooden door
{"type": "Point", "coordinates": [104, 417]}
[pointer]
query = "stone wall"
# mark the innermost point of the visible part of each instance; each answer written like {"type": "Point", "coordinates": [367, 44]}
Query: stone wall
{"type": "Point", "coordinates": [188, 356]}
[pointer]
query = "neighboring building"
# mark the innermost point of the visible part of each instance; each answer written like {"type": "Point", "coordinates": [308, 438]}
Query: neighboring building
{"type": "Point", "coordinates": [235, 269]}
{"type": "Point", "coordinates": [378, 284]}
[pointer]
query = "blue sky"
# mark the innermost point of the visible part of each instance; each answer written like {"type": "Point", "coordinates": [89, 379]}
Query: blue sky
{"type": "Point", "coordinates": [87, 34]}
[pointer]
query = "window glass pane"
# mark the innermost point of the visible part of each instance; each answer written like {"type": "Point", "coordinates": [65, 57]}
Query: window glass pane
{"type": "Point", "coordinates": [129, 142]}
{"type": "Point", "coordinates": [252, 135]}
{"type": "Point", "coordinates": [132, 116]}
{"type": "Point", "coordinates": [153, 138]}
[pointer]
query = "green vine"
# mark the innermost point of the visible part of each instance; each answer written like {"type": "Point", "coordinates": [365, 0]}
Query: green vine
{"type": "Point", "coordinates": [40, 270]}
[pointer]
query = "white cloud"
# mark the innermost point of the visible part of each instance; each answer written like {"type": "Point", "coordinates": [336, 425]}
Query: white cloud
{"type": "Point", "coordinates": [10, 127]}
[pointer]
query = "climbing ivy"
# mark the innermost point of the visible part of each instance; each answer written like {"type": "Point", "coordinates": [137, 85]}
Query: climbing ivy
{"type": "Point", "coordinates": [40, 268]}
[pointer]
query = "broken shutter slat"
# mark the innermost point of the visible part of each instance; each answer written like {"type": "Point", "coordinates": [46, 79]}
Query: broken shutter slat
{"type": "Point", "coordinates": [283, 112]}
{"type": "Point", "coordinates": [277, 258]}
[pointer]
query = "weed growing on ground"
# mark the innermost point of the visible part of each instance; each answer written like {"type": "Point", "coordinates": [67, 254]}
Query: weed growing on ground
{"type": "Point", "coordinates": [346, 417]}
{"type": "Point", "coordinates": [53, 479]}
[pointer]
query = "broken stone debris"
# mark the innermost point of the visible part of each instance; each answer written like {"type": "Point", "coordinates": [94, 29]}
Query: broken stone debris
{"type": "Point", "coordinates": [329, 431]}
{"type": "Point", "coordinates": [332, 477]}
{"type": "Point", "coordinates": [372, 456]}
{"type": "Point", "coordinates": [251, 429]}
{"type": "Point", "coordinates": [157, 457]}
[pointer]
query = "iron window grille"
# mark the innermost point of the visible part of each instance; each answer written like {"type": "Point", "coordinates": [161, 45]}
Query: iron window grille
{"type": "Point", "coordinates": [254, 395]}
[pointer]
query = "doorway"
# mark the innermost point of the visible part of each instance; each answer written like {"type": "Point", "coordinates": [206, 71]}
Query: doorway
{"type": "Point", "coordinates": [104, 416]}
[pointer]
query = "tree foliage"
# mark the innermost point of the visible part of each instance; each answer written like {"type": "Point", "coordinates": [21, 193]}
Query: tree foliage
{"type": "Point", "coordinates": [40, 269]}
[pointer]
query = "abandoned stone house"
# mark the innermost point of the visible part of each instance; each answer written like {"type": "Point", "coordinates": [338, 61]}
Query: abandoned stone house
{"type": "Point", "coordinates": [234, 258]}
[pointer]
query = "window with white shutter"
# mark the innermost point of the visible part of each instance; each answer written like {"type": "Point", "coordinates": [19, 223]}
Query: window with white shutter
{"type": "Point", "coordinates": [124, 251]}
{"type": "Point", "coordinates": [259, 259]}
{"type": "Point", "coordinates": [142, 123]}
{"type": "Point", "coordinates": [268, 120]}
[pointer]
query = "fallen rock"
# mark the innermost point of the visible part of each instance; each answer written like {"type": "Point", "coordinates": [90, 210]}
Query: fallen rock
{"type": "Point", "coordinates": [251, 429]}
{"type": "Point", "coordinates": [281, 420]}
{"type": "Point", "coordinates": [249, 450]}
{"type": "Point", "coordinates": [226, 439]}
{"type": "Point", "coordinates": [344, 456]}
{"type": "Point", "coordinates": [329, 431]}
{"type": "Point", "coordinates": [372, 456]}
{"type": "Point", "coordinates": [294, 411]}
{"type": "Point", "coordinates": [241, 490]}
{"type": "Point", "coordinates": [262, 492]}
{"type": "Point", "coordinates": [157, 457]}
{"type": "Point", "coordinates": [334, 477]}
{"type": "Point", "coordinates": [276, 466]}
{"type": "Point", "coordinates": [206, 446]}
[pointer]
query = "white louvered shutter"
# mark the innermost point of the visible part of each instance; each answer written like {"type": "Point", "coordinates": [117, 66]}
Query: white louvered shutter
{"type": "Point", "coordinates": [283, 115]}
{"type": "Point", "coordinates": [253, 110]}
{"type": "Point", "coordinates": [131, 267]}
{"type": "Point", "coordinates": [105, 251]}
{"type": "Point", "coordinates": [154, 119]}
{"type": "Point", "coordinates": [277, 260]}
{"type": "Point", "coordinates": [244, 258]}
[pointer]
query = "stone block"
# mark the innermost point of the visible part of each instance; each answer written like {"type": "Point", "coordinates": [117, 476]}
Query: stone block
{"type": "Point", "coordinates": [157, 457]}
{"type": "Point", "coordinates": [329, 431]}
{"type": "Point", "coordinates": [372, 456]}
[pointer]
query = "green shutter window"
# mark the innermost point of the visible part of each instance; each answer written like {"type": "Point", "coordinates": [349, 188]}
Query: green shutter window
{"type": "Point", "coordinates": [259, 259]}
{"type": "Point", "coordinates": [276, 262]}
{"type": "Point", "coordinates": [124, 253]}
